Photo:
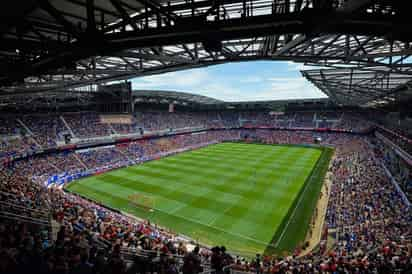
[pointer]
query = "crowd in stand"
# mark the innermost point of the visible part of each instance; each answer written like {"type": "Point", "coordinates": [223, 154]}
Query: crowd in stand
{"type": "Point", "coordinates": [283, 136]}
{"type": "Point", "coordinates": [102, 156]}
{"type": "Point", "coordinates": [87, 229]}
{"type": "Point", "coordinates": [27, 133]}
{"type": "Point", "coordinates": [153, 121]}
{"type": "Point", "coordinates": [11, 146]}
{"type": "Point", "coordinates": [397, 165]}
{"type": "Point", "coordinates": [125, 129]}
{"type": "Point", "coordinates": [354, 122]}
{"type": "Point", "coordinates": [45, 131]}
{"type": "Point", "coordinates": [404, 143]}
{"type": "Point", "coordinates": [371, 227]}
{"type": "Point", "coordinates": [371, 221]}
{"type": "Point", "coordinates": [147, 149]}
{"type": "Point", "coordinates": [86, 125]}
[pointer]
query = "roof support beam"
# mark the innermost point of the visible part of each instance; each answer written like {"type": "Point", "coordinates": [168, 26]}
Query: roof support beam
{"type": "Point", "coordinates": [189, 52]}
{"type": "Point", "coordinates": [360, 46]}
{"type": "Point", "coordinates": [157, 57]}
{"type": "Point", "coordinates": [295, 42]}
{"type": "Point", "coordinates": [159, 9]}
{"type": "Point", "coordinates": [98, 8]}
{"type": "Point", "coordinates": [215, 6]}
{"type": "Point", "coordinates": [328, 45]}
{"type": "Point", "coordinates": [130, 64]}
{"type": "Point", "coordinates": [50, 9]}
{"type": "Point", "coordinates": [91, 22]}
{"type": "Point", "coordinates": [354, 5]}
{"type": "Point", "coordinates": [123, 14]}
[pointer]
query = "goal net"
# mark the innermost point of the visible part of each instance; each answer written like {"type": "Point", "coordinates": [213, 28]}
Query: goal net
{"type": "Point", "coordinates": [141, 201]}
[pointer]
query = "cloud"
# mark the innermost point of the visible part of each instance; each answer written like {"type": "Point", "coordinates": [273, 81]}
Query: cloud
{"type": "Point", "coordinates": [294, 88]}
{"type": "Point", "coordinates": [293, 66]}
{"type": "Point", "coordinates": [281, 89]}
{"type": "Point", "coordinates": [237, 82]}
{"type": "Point", "coordinates": [172, 79]}
{"type": "Point", "coordinates": [251, 79]}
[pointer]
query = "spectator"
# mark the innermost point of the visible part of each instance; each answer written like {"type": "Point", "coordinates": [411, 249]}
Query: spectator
{"type": "Point", "coordinates": [191, 264]}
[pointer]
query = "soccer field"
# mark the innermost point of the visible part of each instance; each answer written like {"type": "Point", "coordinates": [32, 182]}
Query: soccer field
{"type": "Point", "coordinates": [252, 198]}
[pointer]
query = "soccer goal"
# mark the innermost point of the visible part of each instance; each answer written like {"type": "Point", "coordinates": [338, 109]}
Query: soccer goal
{"type": "Point", "coordinates": [142, 201]}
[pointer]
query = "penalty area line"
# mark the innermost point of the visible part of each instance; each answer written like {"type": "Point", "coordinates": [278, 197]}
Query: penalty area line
{"type": "Point", "coordinates": [217, 228]}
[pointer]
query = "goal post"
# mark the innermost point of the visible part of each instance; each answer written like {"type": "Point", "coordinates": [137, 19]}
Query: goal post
{"type": "Point", "coordinates": [143, 201]}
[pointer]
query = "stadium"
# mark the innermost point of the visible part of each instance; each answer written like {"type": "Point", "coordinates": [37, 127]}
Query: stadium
{"type": "Point", "coordinates": [99, 176]}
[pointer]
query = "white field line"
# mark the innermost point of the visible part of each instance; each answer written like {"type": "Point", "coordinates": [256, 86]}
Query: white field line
{"type": "Point", "coordinates": [216, 228]}
{"type": "Point", "coordinates": [223, 213]}
{"type": "Point", "coordinates": [329, 186]}
{"type": "Point", "coordinates": [172, 212]}
{"type": "Point", "coordinates": [258, 160]}
{"type": "Point", "coordinates": [294, 209]}
{"type": "Point", "coordinates": [177, 208]}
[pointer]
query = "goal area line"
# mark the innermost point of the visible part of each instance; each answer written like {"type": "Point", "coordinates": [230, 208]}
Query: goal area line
{"type": "Point", "coordinates": [213, 227]}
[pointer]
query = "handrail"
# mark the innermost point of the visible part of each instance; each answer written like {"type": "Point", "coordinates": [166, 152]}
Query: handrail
{"type": "Point", "coordinates": [12, 216]}
{"type": "Point", "coordinates": [23, 207]}
{"type": "Point", "coordinates": [146, 254]}
{"type": "Point", "coordinates": [12, 194]}
{"type": "Point", "coordinates": [405, 155]}
{"type": "Point", "coordinates": [132, 250]}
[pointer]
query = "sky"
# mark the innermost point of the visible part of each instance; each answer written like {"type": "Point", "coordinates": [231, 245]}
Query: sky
{"type": "Point", "coordinates": [246, 81]}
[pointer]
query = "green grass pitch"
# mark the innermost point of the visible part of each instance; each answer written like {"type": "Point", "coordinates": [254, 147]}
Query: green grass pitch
{"type": "Point", "coordinates": [252, 198]}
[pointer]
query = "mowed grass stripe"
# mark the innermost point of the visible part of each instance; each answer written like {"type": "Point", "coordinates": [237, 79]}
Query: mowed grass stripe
{"type": "Point", "coordinates": [275, 210]}
{"type": "Point", "coordinates": [187, 224]}
{"type": "Point", "coordinates": [224, 189]}
{"type": "Point", "coordinates": [237, 210]}
{"type": "Point", "coordinates": [195, 170]}
{"type": "Point", "coordinates": [227, 160]}
{"type": "Point", "coordinates": [196, 200]}
{"type": "Point", "coordinates": [204, 159]}
{"type": "Point", "coordinates": [241, 189]}
{"type": "Point", "coordinates": [204, 180]}
{"type": "Point", "coordinates": [246, 157]}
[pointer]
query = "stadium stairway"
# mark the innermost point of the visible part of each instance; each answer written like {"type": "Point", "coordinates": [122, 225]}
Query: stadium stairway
{"type": "Point", "coordinates": [67, 126]}
{"type": "Point", "coordinates": [26, 128]}
{"type": "Point", "coordinates": [80, 160]}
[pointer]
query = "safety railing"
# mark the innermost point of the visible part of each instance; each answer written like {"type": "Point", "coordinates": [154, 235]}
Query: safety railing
{"type": "Point", "coordinates": [130, 254]}
{"type": "Point", "coordinates": [14, 210]}
{"type": "Point", "coordinates": [231, 269]}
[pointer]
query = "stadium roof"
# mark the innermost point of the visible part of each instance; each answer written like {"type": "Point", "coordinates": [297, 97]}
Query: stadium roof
{"type": "Point", "coordinates": [204, 102]}
{"type": "Point", "coordinates": [364, 87]}
{"type": "Point", "coordinates": [159, 96]}
{"type": "Point", "coordinates": [61, 46]}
